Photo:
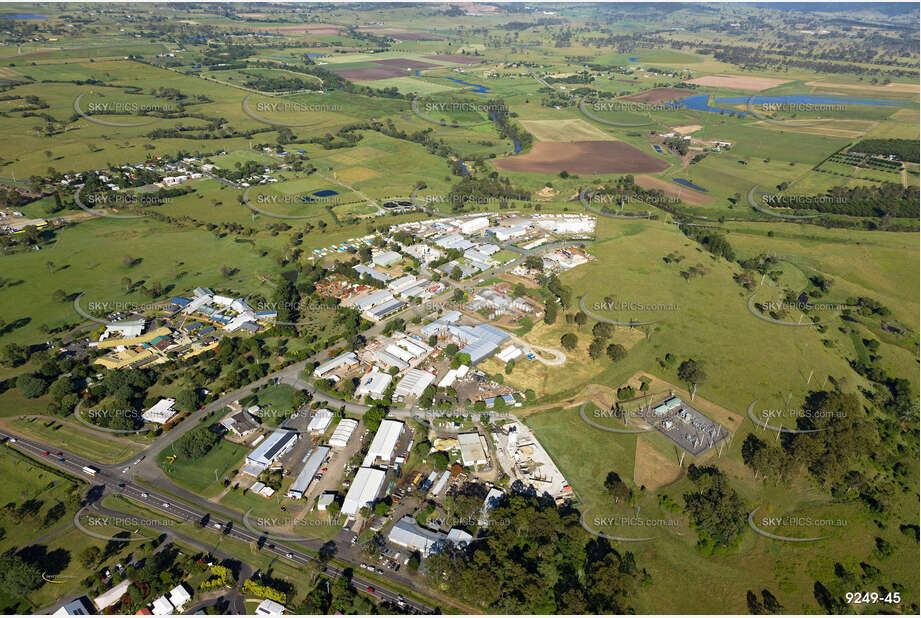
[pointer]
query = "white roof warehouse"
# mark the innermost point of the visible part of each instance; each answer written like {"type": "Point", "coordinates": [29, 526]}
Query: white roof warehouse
{"type": "Point", "coordinates": [385, 440]}
{"type": "Point", "coordinates": [363, 491]}
{"type": "Point", "coordinates": [414, 382]}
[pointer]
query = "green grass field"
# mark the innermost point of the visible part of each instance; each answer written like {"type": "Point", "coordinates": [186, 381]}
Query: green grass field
{"type": "Point", "coordinates": [204, 476]}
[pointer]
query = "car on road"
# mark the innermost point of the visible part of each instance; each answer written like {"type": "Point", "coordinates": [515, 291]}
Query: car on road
{"type": "Point", "coordinates": [45, 453]}
{"type": "Point", "coordinates": [363, 565]}
{"type": "Point", "coordinates": [145, 495]}
{"type": "Point", "coordinates": [370, 589]}
{"type": "Point", "coordinates": [379, 571]}
{"type": "Point", "coordinates": [289, 556]}
{"type": "Point", "coordinates": [139, 460]}
{"type": "Point", "coordinates": [125, 470]}
{"type": "Point", "coordinates": [166, 505]}
{"type": "Point", "coordinates": [61, 459]}
{"type": "Point", "coordinates": [355, 540]}
{"type": "Point", "coordinates": [217, 525]}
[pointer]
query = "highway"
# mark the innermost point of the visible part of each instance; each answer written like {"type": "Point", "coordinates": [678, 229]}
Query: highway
{"type": "Point", "coordinates": [114, 483]}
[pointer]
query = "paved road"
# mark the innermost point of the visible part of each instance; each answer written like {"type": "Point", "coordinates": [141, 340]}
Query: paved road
{"type": "Point", "coordinates": [117, 484]}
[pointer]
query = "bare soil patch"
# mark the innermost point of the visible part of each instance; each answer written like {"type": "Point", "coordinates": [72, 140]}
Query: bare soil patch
{"type": "Point", "coordinates": [687, 129]}
{"type": "Point", "coordinates": [404, 63]}
{"type": "Point", "coordinates": [659, 95]}
{"type": "Point", "coordinates": [590, 157]}
{"type": "Point", "coordinates": [652, 468]}
{"type": "Point", "coordinates": [738, 82]}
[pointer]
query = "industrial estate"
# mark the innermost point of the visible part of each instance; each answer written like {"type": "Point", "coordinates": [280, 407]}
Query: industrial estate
{"type": "Point", "coordinates": [459, 308]}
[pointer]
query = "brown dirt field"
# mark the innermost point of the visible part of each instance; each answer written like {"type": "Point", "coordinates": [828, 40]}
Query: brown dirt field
{"type": "Point", "coordinates": [694, 198]}
{"type": "Point", "coordinates": [651, 467]}
{"type": "Point", "coordinates": [911, 88]}
{"type": "Point", "coordinates": [687, 129]}
{"type": "Point", "coordinates": [738, 82]}
{"type": "Point", "coordinates": [592, 157]}
{"type": "Point", "coordinates": [659, 95]}
{"type": "Point", "coordinates": [456, 59]}
{"type": "Point", "coordinates": [404, 63]}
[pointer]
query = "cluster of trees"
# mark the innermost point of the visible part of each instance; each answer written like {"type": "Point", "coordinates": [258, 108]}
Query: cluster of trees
{"type": "Point", "coordinates": [717, 511]}
{"type": "Point", "coordinates": [541, 562]}
{"type": "Point", "coordinates": [884, 200]}
{"type": "Point", "coordinates": [196, 443]}
{"type": "Point", "coordinates": [904, 149]}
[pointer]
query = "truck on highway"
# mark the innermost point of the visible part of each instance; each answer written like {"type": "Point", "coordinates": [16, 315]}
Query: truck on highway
{"type": "Point", "coordinates": [90, 470]}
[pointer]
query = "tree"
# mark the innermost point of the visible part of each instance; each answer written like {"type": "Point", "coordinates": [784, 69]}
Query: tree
{"type": "Point", "coordinates": [18, 577]}
{"type": "Point", "coordinates": [691, 373]}
{"type": "Point", "coordinates": [89, 557]}
{"type": "Point", "coordinates": [603, 330]}
{"type": "Point", "coordinates": [189, 399]}
{"type": "Point", "coordinates": [619, 490]}
{"type": "Point", "coordinates": [595, 348]}
{"type": "Point", "coordinates": [440, 460]}
{"type": "Point", "coordinates": [31, 386]}
{"type": "Point", "coordinates": [616, 352]}
{"type": "Point", "coordinates": [550, 311]}
{"type": "Point", "coordinates": [569, 341]}
{"type": "Point", "coordinates": [581, 318]}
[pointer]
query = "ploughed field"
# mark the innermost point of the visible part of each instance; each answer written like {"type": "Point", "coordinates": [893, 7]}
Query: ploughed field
{"type": "Point", "coordinates": [589, 157]}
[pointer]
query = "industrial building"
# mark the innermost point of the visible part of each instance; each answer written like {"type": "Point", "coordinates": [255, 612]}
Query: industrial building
{"type": "Point", "coordinates": [472, 226]}
{"type": "Point", "coordinates": [363, 492]}
{"type": "Point", "coordinates": [343, 432]}
{"type": "Point", "coordinates": [373, 384]}
{"type": "Point", "coordinates": [479, 341]}
{"type": "Point", "coordinates": [407, 533]}
{"type": "Point", "coordinates": [372, 272]}
{"type": "Point", "coordinates": [387, 258]}
{"type": "Point", "coordinates": [161, 411]}
{"type": "Point", "coordinates": [384, 310]}
{"type": "Point", "coordinates": [454, 241]}
{"type": "Point", "coordinates": [346, 359]}
{"type": "Point", "coordinates": [413, 384]}
{"type": "Point", "coordinates": [384, 442]}
{"type": "Point", "coordinates": [375, 298]}
{"type": "Point", "coordinates": [473, 451]}
{"type": "Point", "coordinates": [273, 447]}
{"type": "Point", "coordinates": [311, 467]}
{"type": "Point", "coordinates": [320, 421]}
